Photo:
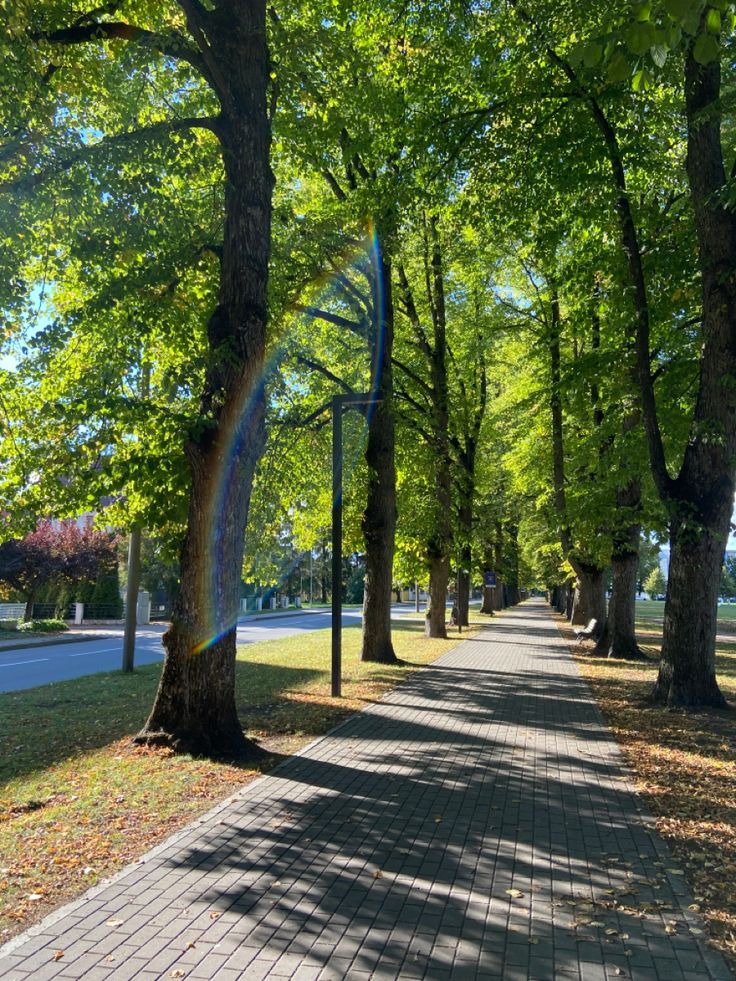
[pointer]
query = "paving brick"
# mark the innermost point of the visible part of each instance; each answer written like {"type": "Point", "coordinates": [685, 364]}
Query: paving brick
{"type": "Point", "coordinates": [491, 770]}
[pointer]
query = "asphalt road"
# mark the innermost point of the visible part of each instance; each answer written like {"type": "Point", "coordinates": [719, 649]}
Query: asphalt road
{"type": "Point", "coordinates": [21, 669]}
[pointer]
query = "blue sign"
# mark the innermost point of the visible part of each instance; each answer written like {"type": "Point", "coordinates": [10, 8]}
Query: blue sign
{"type": "Point", "coordinates": [489, 578]}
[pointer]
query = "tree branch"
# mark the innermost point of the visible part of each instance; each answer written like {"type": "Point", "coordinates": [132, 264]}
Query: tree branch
{"type": "Point", "coordinates": [172, 46]}
{"type": "Point", "coordinates": [29, 181]}
{"type": "Point", "coordinates": [331, 318]}
{"type": "Point", "coordinates": [323, 370]}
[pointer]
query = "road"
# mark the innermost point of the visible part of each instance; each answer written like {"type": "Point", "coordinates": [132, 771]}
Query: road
{"type": "Point", "coordinates": [21, 669]}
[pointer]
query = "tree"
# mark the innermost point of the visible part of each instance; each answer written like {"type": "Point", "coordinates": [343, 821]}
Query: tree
{"type": "Point", "coordinates": [655, 584]}
{"type": "Point", "coordinates": [222, 75]}
{"type": "Point", "coordinates": [63, 555]}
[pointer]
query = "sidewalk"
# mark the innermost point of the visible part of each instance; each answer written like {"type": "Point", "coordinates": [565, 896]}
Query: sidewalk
{"type": "Point", "coordinates": [477, 823]}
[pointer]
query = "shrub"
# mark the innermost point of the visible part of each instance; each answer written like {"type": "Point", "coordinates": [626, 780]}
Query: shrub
{"type": "Point", "coordinates": [43, 626]}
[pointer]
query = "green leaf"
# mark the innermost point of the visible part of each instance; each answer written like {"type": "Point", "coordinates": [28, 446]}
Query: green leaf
{"type": "Point", "coordinates": [659, 54]}
{"type": "Point", "coordinates": [678, 9]}
{"type": "Point", "coordinates": [713, 21]}
{"type": "Point", "coordinates": [706, 49]}
{"type": "Point", "coordinates": [641, 80]}
{"type": "Point", "coordinates": [592, 55]}
{"type": "Point", "coordinates": [644, 12]}
{"type": "Point", "coordinates": [640, 37]}
{"type": "Point", "coordinates": [618, 69]}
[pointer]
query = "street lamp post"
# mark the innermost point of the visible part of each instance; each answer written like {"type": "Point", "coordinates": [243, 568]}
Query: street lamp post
{"type": "Point", "coordinates": [339, 402]}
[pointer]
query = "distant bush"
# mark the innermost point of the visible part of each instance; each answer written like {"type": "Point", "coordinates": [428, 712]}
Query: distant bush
{"type": "Point", "coordinates": [8, 624]}
{"type": "Point", "coordinates": [42, 626]}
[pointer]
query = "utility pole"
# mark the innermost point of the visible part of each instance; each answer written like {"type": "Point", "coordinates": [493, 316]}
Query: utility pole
{"type": "Point", "coordinates": [134, 561]}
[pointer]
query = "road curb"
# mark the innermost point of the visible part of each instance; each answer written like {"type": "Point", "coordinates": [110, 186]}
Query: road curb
{"type": "Point", "coordinates": [51, 642]}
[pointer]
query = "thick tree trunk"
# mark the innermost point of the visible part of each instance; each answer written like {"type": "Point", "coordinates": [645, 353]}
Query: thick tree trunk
{"type": "Point", "coordinates": [619, 634]}
{"type": "Point", "coordinates": [379, 517]}
{"type": "Point", "coordinates": [563, 599]}
{"type": "Point", "coordinates": [589, 602]}
{"type": "Point", "coordinates": [687, 671]}
{"type": "Point", "coordinates": [195, 709]}
{"type": "Point", "coordinates": [487, 604]}
{"type": "Point", "coordinates": [439, 576]}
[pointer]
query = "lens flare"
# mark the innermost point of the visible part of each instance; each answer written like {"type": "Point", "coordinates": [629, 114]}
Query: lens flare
{"type": "Point", "coordinates": [241, 425]}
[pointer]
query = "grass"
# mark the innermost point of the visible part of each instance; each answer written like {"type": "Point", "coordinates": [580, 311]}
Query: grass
{"type": "Point", "coordinates": [78, 801]}
{"type": "Point", "coordinates": [653, 610]}
{"type": "Point", "coordinates": [685, 769]}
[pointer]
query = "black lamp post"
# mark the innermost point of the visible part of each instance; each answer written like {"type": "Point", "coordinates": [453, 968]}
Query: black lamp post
{"type": "Point", "coordinates": [339, 402]}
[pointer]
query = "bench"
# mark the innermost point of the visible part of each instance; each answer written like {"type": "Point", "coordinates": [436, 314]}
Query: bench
{"type": "Point", "coordinates": [587, 631]}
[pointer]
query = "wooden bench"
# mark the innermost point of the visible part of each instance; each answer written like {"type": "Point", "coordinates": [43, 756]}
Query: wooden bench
{"type": "Point", "coordinates": [588, 631]}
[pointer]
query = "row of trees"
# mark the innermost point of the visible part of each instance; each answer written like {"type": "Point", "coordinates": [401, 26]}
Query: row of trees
{"type": "Point", "coordinates": [511, 223]}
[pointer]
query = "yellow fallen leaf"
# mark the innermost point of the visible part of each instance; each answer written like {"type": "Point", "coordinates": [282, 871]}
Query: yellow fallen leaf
{"type": "Point", "coordinates": [114, 923]}
{"type": "Point", "coordinates": [58, 954]}
{"type": "Point", "coordinates": [515, 893]}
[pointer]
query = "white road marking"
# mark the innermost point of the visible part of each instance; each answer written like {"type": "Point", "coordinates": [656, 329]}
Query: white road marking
{"type": "Point", "coordinates": [14, 664]}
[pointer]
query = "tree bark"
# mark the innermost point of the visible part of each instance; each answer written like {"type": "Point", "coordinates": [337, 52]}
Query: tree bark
{"type": "Point", "coordinates": [589, 602]}
{"type": "Point", "coordinates": [440, 543]}
{"type": "Point", "coordinates": [618, 639]}
{"type": "Point", "coordinates": [439, 576]}
{"type": "Point", "coordinates": [487, 604]}
{"type": "Point", "coordinates": [701, 499]}
{"type": "Point", "coordinates": [194, 710]}
{"type": "Point", "coordinates": [28, 612]}
{"type": "Point", "coordinates": [379, 517]}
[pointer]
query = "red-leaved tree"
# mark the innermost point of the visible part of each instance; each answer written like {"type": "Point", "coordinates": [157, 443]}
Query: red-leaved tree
{"type": "Point", "coordinates": [51, 555]}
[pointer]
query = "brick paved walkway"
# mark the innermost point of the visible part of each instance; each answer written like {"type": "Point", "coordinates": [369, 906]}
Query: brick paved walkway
{"type": "Point", "coordinates": [389, 849]}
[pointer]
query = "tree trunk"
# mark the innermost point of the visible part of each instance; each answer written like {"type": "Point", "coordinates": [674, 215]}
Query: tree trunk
{"type": "Point", "coordinates": [439, 576]}
{"type": "Point", "coordinates": [440, 544]}
{"type": "Point", "coordinates": [589, 602]}
{"type": "Point", "coordinates": [687, 671]}
{"type": "Point", "coordinates": [464, 568]}
{"type": "Point", "coordinates": [195, 709]}
{"type": "Point", "coordinates": [701, 499]}
{"type": "Point", "coordinates": [619, 634]}
{"type": "Point", "coordinates": [379, 517]}
{"type": "Point", "coordinates": [487, 604]}
{"type": "Point", "coordinates": [28, 612]}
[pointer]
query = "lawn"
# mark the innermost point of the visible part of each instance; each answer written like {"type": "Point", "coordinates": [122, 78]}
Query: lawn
{"type": "Point", "coordinates": [78, 801]}
{"type": "Point", "coordinates": [685, 769]}
{"type": "Point", "coordinates": [653, 610]}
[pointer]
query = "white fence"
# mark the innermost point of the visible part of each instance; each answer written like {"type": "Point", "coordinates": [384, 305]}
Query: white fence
{"type": "Point", "coordinates": [11, 611]}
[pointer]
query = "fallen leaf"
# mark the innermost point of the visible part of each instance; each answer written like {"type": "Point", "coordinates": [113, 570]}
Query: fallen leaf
{"type": "Point", "coordinates": [114, 923]}
{"type": "Point", "coordinates": [214, 916]}
{"type": "Point", "coordinates": [515, 893]}
{"type": "Point", "coordinates": [378, 874]}
{"type": "Point", "coordinates": [58, 954]}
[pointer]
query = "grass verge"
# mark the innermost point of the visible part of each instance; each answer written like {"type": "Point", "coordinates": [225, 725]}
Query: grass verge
{"type": "Point", "coordinates": [78, 801]}
{"type": "Point", "coordinates": [684, 764]}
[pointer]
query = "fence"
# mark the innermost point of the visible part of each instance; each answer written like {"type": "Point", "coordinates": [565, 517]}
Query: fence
{"type": "Point", "coordinates": [92, 611]}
